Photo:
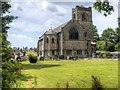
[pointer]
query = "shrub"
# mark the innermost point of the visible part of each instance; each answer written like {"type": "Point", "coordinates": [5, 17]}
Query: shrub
{"type": "Point", "coordinates": [10, 73]}
{"type": "Point", "coordinates": [117, 47]}
{"type": "Point", "coordinates": [30, 52]}
{"type": "Point", "coordinates": [32, 58]}
{"type": "Point", "coordinates": [96, 84]}
{"type": "Point", "coordinates": [103, 46]}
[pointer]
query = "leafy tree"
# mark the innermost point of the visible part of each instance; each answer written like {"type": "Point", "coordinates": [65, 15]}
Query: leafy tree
{"type": "Point", "coordinates": [109, 35]}
{"type": "Point", "coordinates": [117, 46]}
{"type": "Point", "coordinates": [6, 19]}
{"type": "Point", "coordinates": [117, 38]}
{"type": "Point", "coordinates": [103, 46]}
{"type": "Point", "coordinates": [95, 33]}
{"type": "Point", "coordinates": [9, 69]}
{"type": "Point", "coordinates": [119, 21]}
{"type": "Point", "coordinates": [103, 7]}
{"type": "Point", "coordinates": [117, 31]}
{"type": "Point", "coordinates": [110, 46]}
{"type": "Point", "coordinates": [100, 45]}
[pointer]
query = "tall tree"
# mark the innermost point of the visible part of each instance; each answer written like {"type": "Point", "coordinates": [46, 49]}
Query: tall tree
{"type": "Point", "coordinates": [6, 19]}
{"type": "Point", "coordinates": [117, 31]}
{"type": "Point", "coordinates": [9, 69]}
{"type": "Point", "coordinates": [95, 33]}
{"type": "Point", "coordinates": [109, 35]}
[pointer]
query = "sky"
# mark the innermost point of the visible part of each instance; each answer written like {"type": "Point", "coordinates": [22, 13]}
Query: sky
{"type": "Point", "coordinates": [36, 17]}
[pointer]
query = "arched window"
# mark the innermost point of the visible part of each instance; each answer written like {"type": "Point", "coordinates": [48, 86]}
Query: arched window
{"type": "Point", "coordinates": [84, 17]}
{"type": "Point", "coordinates": [73, 34]}
{"type": "Point", "coordinates": [47, 40]}
{"type": "Point", "coordinates": [53, 40]}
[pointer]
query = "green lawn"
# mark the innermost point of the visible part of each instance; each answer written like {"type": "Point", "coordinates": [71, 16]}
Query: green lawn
{"type": "Point", "coordinates": [54, 74]}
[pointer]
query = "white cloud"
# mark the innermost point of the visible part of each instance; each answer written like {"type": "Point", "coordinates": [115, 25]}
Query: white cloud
{"type": "Point", "coordinates": [54, 23]}
{"type": "Point", "coordinates": [16, 6]}
{"type": "Point", "coordinates": [61, 11]}
{"type": "Point", "coordinates": [29, 27]}
{"type": "Point", "coordinates": [19, 40]}
{"type": "Point", "coordinates": [44, 4]}
{"type": "Point", "coordinates": [119, 8]}
{"type": "Point", "coordinates": [55, 9]}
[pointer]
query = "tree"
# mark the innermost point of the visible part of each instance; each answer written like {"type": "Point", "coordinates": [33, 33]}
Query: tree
{"type": "Point", "coordinates": [110, 47]}
{"type": "Point", "coordinates": [95, 33]}
{"type": "Point", "coordinates": [119, 21]}
{"type": "Point", "coordinates": [117, 38]}
{"type": "Point", "coordinates": [117, 31]}
{"type": "Point", "coordinates": [101, 45]}
{"type": "Point", "coordinates": [103, 7]}
{"type": "Point", "coordinates": [108, 35]}
{"type": "Point", "coordinates": [10, 69]}
{"type": "Point", "coordinates": [117, 46]}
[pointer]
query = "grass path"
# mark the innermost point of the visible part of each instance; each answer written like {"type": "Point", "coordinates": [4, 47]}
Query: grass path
{"type": "Point", "coordinates": [53, 74]}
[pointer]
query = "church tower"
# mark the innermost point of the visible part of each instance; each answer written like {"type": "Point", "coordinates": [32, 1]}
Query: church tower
{"type": "Point", "coordinates": [82, 14]}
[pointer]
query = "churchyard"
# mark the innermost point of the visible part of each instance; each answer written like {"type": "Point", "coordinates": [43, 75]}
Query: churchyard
{"type": "Point", "coordinates": [69, 73]}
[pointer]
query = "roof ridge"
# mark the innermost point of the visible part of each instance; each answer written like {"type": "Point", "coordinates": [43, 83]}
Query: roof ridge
{"type": "Point", "coordinates": [62, 24]}
{"type": "Point", "coordinates": [58, 29]}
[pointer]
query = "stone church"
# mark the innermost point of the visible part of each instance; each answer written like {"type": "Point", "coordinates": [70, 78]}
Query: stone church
{"type": "Point", "coordinates": [71, 39]}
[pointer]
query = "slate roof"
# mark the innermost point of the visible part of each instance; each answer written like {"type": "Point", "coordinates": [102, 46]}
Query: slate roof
{"type": "Point", "coordinates": [56, 30]}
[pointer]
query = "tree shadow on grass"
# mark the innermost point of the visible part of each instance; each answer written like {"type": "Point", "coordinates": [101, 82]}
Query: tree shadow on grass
{"type": "Point", "coordinates": [24, 77]}
{"type": "Point", "coordinates": [40, 66]}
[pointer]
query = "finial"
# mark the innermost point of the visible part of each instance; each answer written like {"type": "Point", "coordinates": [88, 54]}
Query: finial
{"type": "Point", "coordinates": [51, 26]}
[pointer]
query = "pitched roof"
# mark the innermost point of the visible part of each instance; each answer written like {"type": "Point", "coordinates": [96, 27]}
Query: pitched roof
{"type": "Point", "coordinates": [57, 30]}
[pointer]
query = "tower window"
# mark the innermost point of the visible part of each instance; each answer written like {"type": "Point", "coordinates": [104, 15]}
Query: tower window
{"type": "Point", "coordinates": [73, 34]}
{"type": "Point", "coordinates": [84, 17]}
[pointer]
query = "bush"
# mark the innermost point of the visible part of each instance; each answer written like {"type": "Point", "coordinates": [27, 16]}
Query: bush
{"type": "Point", "coordinates": [10, 73]}
{"type": "Point", "coordinates": [117, 47]}
{"type": "Point", "coordinates": [96, 84]}
{"type": "Point", "coordinates": [111, 47]}
{"type": "Point", "coordinates": [32, 58]}
{"type": "Point", "coordinates": [101, 45]}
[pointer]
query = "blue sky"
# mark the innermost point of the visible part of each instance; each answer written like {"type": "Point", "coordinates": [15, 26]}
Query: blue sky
{"type": "Point", "coordinates": [36, 17]}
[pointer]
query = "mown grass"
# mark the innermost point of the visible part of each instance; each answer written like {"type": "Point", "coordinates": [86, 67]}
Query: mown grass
{"type": "Point", "coordinates": [54, 74]}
